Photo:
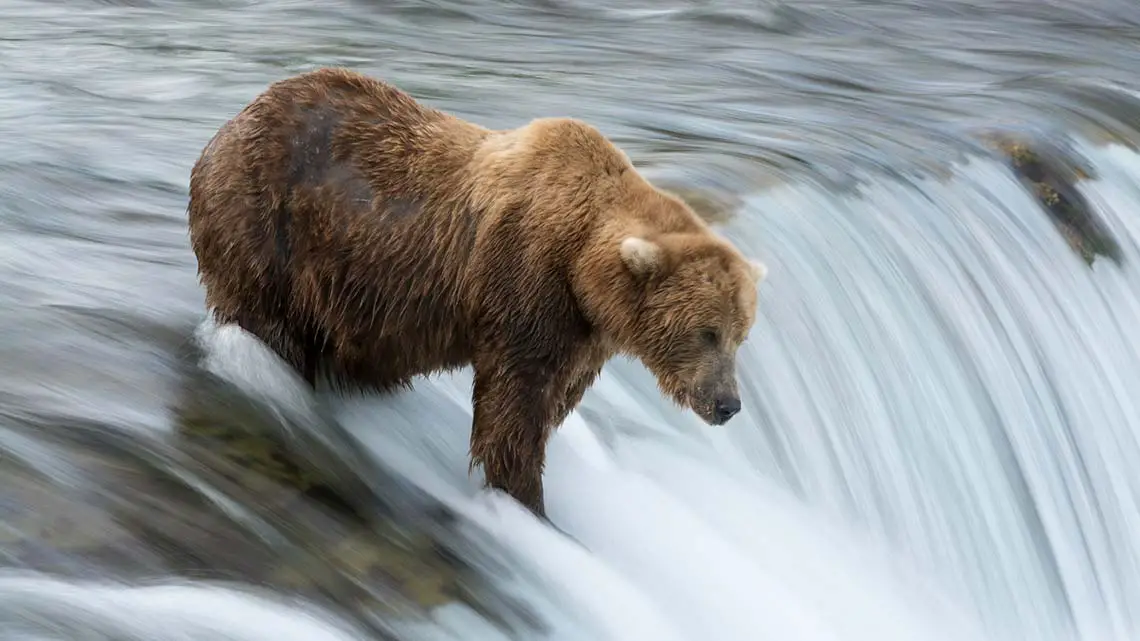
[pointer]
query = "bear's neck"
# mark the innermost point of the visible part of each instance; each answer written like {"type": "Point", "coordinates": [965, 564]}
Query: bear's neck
{"type": "Point", "coordinates": [608, 295]}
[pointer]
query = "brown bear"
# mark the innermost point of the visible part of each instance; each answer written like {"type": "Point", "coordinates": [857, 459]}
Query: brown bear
{"type": "Point", "coordinates": [369, 239]}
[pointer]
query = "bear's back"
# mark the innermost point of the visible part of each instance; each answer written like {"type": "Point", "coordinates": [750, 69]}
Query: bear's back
{"type": "Point", "coordinates": [336, 203]}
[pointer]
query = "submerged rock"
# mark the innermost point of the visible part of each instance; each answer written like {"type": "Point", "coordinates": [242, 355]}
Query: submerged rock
{"type": "Point", "coordinates": [1051, 175]}
{"type": "Point", "coordinates": [225, 497]}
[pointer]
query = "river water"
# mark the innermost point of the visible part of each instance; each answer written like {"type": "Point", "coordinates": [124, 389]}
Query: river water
{"type": "Point", "coordinates": [940, 426]}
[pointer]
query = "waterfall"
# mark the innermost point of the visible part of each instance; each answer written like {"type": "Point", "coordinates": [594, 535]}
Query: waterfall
{"type": "Point", "coordinates": [935, 443]}
{"type": "Point", "coordinates": [940, 395]}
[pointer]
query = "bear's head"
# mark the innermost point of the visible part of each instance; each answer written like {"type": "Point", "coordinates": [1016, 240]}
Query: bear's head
{"type": "Point", "coordinates": [697, 303]}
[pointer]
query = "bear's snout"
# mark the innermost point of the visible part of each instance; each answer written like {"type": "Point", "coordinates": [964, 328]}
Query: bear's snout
{"type": "Point", "coordinates": [715, 398]}
{"type": "Point", "coordinates": [725, 408]}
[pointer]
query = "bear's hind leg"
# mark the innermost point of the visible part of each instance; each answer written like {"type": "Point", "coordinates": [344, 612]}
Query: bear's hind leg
{"type": "Point", "coordinates": [310, 350]}
{"type": "Point", "coordinates": [300, 354]}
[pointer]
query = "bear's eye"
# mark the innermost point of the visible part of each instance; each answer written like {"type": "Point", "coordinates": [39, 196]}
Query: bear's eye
{"type": "Point", "coordinates": [710, 337]}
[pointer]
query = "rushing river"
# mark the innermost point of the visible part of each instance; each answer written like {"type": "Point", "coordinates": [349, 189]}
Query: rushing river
{"type": "Point", "coordinates": [939, 434]}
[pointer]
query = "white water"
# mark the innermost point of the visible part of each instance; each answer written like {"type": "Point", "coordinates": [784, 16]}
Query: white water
{"type": "Point", "coordinates": [34, 608]}
{"type": "Point", "coordinates": [936, 444]}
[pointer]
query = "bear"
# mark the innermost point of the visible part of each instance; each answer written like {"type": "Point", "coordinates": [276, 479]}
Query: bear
{"type": "Point", "coordinates": [369, 239]}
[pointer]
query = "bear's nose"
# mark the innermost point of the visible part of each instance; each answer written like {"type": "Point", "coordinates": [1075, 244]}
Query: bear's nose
{"type": "Point", "coordinates": [726, 408]}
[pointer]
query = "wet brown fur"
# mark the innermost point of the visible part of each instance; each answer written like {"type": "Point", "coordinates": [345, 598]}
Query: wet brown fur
{"type": "Point", "coordinates": [369, 239]}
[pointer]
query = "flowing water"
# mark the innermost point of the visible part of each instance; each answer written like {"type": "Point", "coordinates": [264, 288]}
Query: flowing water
{"type": "Point", "coordinates": [939, 437]}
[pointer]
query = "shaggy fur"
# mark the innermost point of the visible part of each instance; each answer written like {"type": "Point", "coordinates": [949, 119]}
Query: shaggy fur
{"type": "Point", "coordinates": [369, 239]}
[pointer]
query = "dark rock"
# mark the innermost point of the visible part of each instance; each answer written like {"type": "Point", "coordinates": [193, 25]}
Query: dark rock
{"type": "Point", "coordinates": [1050, 174]}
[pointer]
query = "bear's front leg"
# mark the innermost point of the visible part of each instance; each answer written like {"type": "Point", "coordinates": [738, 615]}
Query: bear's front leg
{"type": "Point", "coordinates": [514, 401]}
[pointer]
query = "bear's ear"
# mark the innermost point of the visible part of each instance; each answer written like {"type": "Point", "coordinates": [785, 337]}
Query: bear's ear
{"type": "Point", "coordinates": [758, 270]}
{"type": "Point", "coordinates": [642, 257]}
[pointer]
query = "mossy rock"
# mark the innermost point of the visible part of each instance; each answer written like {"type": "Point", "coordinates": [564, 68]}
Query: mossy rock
{"type": "Point", "coordinates": [1050, 175]}
{"type": "Point", "coordinates": [224, 498]}
{"type": "Point", "coordinates": [340, 542]}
